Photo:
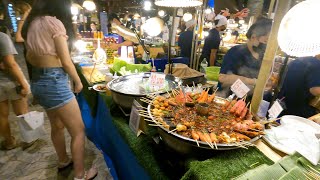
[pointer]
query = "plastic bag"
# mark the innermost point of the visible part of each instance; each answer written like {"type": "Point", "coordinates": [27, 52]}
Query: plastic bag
{"type": "Point", "coordinates": [32, 120]}
{"type": "Point", "coordinates": [27, 133]}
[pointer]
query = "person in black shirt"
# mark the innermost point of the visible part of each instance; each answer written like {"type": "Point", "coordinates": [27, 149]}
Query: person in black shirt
{"type": "Point", "coordinates": [185, 39]}
{"type": "Point", "coordinates": [212, 42]}
{"type": "Point", "coordinates": [300, 86]}
{"type": "Point", "coordinates": [243, 61]}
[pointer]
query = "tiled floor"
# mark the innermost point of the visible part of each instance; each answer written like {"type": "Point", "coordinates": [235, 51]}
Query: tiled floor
{"type": "Point", "coordinates": [40, 160]}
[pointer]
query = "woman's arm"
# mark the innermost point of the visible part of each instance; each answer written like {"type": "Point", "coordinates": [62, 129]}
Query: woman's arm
{"type": "Point", "coordinates": [18, 35]}
{"type": "Point", "coordinates": [315, 91]}
{"type": "Point", "coordinates": [64, 55]}
{"type": "Point", "coordinates": [116, 46]}
{"type": "Point", "coordinates": [213, 54]}
{"type": "Point", "coordinates": [16, 72]}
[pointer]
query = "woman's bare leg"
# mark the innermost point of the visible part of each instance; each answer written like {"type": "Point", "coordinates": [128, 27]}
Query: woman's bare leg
{"type": "Point", "coordinates": [71, 118]}
{"type": "Point", "coordinates": [20, 106]}
{"type": "Point", "coordinates": [57, 136]}
{"type": "Point", "coordinates": [4, 123]}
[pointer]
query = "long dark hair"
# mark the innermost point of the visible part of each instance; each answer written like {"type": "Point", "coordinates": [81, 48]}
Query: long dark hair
{"type": "Point", "coordinates": [58, 8]}
{"type": "Point", "coordinates": [260, 28]}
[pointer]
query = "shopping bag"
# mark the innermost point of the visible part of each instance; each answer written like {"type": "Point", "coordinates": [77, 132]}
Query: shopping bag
{"type": "Point", "coordinates": [32, 120]}
{"type": "Point", "coordinates": [27, 134]}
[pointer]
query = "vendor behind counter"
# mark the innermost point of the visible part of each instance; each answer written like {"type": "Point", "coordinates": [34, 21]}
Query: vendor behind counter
{"type": "Point", "coordinates": [185, 39]}
{"type": "Point", "coordinates": [212, 42]}
{"type": "Point", "coordinates": [244, 61]}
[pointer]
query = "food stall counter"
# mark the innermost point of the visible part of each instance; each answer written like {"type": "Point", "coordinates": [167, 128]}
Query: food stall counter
{"type": "Point", "coordinates": [146, 156]}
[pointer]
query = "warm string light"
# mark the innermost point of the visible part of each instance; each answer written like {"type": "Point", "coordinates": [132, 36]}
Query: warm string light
{"type": "Point", "coordinates": [178, 3]}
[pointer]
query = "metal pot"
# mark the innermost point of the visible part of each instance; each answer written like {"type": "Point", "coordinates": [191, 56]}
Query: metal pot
{"type": "Point", "coordinates": [185, 145]}
{"type": "Point", "coordinates": [125, 89]}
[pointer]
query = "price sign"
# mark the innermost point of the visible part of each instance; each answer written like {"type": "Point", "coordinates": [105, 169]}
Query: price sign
{"type": "Point", "coordinates": [135, 118]}
{"type": "Point", "coordinates": [157, 80]}
{"type": "Point", "coordinates": [239, 88]}
{"type": "Point", "coordinates": [275, 110]}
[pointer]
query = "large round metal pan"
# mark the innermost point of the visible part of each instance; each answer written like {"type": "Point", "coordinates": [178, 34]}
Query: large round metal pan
{"type": "Point", "coordinates": [186, 145]}
{"type": "Point", "coordinates": [127, 88]}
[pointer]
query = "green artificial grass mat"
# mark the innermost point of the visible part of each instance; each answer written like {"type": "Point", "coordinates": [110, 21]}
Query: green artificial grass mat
{"type": "Point", "coordinates": [226, 164]}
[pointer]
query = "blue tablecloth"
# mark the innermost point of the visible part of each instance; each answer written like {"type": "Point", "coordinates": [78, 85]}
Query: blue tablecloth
{"type": "Point", "coordinates": [161, 63]}
{"type": "Point", "coordinates": [103, 133]}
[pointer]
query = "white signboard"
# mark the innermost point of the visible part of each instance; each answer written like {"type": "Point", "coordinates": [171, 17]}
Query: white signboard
{"type": "Point", "coordinates": [135, 118]}
{"type": "Point", "coordinates": [157, 81]}
{"type": "Point", "coordinates": [239, 88]}
{"type": "Point", "coordinates": [275, 110]}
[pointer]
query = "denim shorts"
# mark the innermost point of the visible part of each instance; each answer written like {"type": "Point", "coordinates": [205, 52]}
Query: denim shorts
{"type": "Point", "coordinates": [50, 87]}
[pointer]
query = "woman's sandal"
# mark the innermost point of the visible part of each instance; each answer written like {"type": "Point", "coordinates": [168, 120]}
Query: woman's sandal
{"type": "Point", "coordinates": [65, 165]}
{"type": "Point", "coordinates": [90, 174]}
{"type": "Point", "coordinates": [9, 144]}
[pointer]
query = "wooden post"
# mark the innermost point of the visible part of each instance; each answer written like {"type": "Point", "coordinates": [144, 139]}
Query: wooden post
{"type": "Point", "coordinates": [272, 2]}
{"type": "Point", "coordinates": [268, 59]}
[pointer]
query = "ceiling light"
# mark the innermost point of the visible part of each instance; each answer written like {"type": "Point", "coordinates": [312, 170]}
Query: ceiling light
{"type": "Point", "coordinates": [161, 13]}
{"type": "Point", "coordinates": [205, 33]}
{"type": "Point", "coordinates": [147, 5]}
{"type": "Point", "coordinates": [187, 17]}
{"type": "Point", "coordinates": [208, 11]}
{"type": "Point", "coordinates": [241, 21]}
{"type": "Point", "coordinates": [153, 26]}
{"type": "Point", "coordinates": [89, 5]}
{"type": "Point", "coordinates": [178, 3]}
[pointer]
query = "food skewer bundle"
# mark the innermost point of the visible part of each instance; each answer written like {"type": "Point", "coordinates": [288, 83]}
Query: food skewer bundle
{"type": "Point", "coordinates": [205, 118]}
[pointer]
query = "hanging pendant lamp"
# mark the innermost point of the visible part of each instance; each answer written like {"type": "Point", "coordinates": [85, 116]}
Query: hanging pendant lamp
{"type": "Point", "coordinates": [299, 30]}
{"type": "Point", "coordinates": [178, 3]}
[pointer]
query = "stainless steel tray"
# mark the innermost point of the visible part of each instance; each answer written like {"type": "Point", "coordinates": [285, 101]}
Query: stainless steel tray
{"type": "Point", "coordinates": [127, 88]}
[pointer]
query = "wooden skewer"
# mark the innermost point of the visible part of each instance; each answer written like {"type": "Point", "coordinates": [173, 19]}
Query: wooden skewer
{"type": "Point", "coordinates": [244, 98]}
{"type": "Point", "coordinates": [174, 92]}
{"type": "Point", "coordinates": [155, 125]}
{"type": "Point", "coordinates": [210, 145]}
{"type": "Point", "coordinates": [148, 102]}
{"type": "Point", "coordinates": [271, 121]}
{"type": "Point", "coordinates": [215, 144]}
{"type": "Point", "coordinates": [248, 105]}
{"type": "Point", "coordinates": [149, 120]}
{"type": "Point", "coordinates": [144, 115]}
{"type": "Point", "coordinates": [216, 90]}
{"type": "Point", "coordinates": [168, 93]}
{"type": "Point", "coordinates": [313, 169]}
{"type": "Point", "coordinates": [240, 145]}
{"type": "Point", "coordinates": [254, 164]}
{"type": "Point", "coordinates": [308, 178]}
{"type": "Point", "coordinates": [197, 143]}
{"type": "Point", "coordinates": [310, 174]}
{"type": "Point", "coordinates": [172, 130]}
{"type": "Point", "coordinates": [142, 110]}
{"type": "Point", "coordinates": [142, 107]}
{"type": "Point", "coordinates": [145, 99]}
{"type": "Point", "coordinates": [247, 143]}
{"type": "Point", "coordinates": [151, 96]}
